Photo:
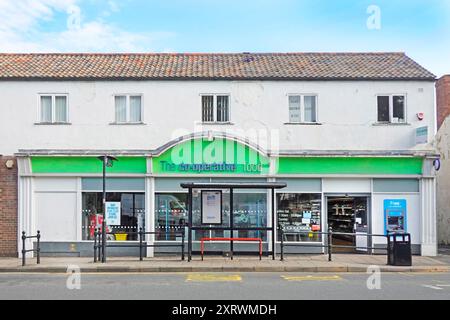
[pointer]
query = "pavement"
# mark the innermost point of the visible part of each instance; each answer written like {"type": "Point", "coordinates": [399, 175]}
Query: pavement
{"type": "Point", "coordinates": [293, 263]}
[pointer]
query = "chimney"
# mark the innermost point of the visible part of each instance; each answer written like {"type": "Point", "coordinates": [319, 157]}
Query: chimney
{"type": "Point", "coordinates": [443, 99]}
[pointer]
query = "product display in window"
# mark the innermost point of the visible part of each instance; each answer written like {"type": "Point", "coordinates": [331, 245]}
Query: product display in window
{"type": "Point", "coordinates": [132, 214]}
{"type": "Point", "coordinates": [300, 216]}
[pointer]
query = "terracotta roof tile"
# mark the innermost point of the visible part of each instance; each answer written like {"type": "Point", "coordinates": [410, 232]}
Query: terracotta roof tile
{"type": "Point", "coordinates": [263, 66]}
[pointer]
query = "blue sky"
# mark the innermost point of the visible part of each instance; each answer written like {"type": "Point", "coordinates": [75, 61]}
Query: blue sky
{"type": "Point", "coordinates": [421, 28]}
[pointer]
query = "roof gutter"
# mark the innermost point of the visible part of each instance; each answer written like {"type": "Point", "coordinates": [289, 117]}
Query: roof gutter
{"type": "Point", "coordinates": [283, 153]}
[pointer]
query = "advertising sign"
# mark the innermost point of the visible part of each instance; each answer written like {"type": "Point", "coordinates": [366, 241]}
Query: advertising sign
{"type": "Point", "coordinates": [113, 213]}
{"type": "Point", "coordinates": [211, 207]}
{"type": "Point", "coordinates": [395, 215]}
{"type": "Point", "coordinates": [422, 135]}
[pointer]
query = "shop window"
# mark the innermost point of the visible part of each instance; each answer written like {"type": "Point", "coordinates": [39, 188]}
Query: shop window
{"type": "Point", "coordinates": [128, 108]}
{"type": "Point", "coordinates": [215, 108]}
{"type": "Point", "coordinates": [170, 215]}
{"type": "Point", "coordinates": [132, 214]}
{"type": "Point", "coordinates": [302, 109]}
{"type": "Point", "coordinates": [250, 210]}
{"type": "Point", "coordinates": [396, 185]}
{"type": "Point", "coordinates": [391, 109]}
{"type": "Point", "coordinates": [113, 184]}
{"type": "Point", "coordinates": [197, 218]}
{"type": "Point", "coordinates": [300, 216]}
{"type": "Point", "coordinates": [53, 109]}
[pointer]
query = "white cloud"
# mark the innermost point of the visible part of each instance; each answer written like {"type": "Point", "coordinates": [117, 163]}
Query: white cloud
{"type": "Point", "coordinates": [22, 20]}
{"type": "Point", "coordinates": [113, 6]}
{"type": "Point", "coordinates": [99, 36]}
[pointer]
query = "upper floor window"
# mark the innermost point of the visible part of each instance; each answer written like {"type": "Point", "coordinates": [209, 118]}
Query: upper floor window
{"type": "Point", "coordinates": [53, 108]}
{"type": "Point", "coordinates": [128, 108]}
{"type": "Point", "coordinates": [302, 109]}
{"type": "Point", "coordinates": [216, 108]}
{"type": "Point", "coordinates": [391, 108]}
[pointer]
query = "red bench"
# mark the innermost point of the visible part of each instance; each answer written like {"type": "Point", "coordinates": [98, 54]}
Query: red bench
{"type": "Point", "coordinates": [202, 243]}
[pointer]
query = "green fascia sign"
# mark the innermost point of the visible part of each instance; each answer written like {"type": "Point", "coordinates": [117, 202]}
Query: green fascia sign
{"type": "Point", "coordinates": [220, 156]}
{"type": "Point", "coordinates": [348, 165]}
{"type": "Point", "coordinates": [226, 157]}
{"type": "Point", "coordinates": [137, 165]}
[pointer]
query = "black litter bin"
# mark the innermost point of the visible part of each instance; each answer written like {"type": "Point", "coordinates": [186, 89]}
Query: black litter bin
{"type": "Point", "coordinates": [399, 249]}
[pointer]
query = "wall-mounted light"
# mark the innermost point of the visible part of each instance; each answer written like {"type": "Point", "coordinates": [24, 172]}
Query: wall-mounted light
{"type": "Point", "coordinates": [9, 164]}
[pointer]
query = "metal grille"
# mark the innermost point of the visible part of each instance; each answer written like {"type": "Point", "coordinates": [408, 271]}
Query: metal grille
{"type": "Point", "coordinates": [208, 108]}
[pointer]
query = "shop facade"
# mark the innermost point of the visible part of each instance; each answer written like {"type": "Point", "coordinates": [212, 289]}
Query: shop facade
{"type": "Point", "coordinates": [354, 194]}
{"type": "Point", "coordinates": [349, 133]}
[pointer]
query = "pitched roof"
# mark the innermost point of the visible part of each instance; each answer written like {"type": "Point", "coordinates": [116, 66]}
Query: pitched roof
{"type": "Point", "coordinates": [232, 66]}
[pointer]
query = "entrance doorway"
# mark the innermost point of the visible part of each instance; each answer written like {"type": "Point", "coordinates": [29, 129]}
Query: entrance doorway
{"type": "Point", "coordinates": [349, 214]}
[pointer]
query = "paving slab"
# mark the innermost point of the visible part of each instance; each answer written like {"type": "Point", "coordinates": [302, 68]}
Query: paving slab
{"type": "Point", "coordinates": [292, 263]}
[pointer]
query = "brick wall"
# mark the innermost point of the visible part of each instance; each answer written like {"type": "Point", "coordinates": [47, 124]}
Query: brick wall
{"type": "Point", "coordinates": [8, 208]}
{"type": "Point", "coordinates": [443, 99]}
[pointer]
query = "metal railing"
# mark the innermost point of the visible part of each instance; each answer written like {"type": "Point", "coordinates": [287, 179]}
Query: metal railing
{"type": "Point", "coordinates": [329, 244]}
{"type": "Point", "coordinates": [37, 250]}
{"type": "Point", "coordinates": [100, 246]}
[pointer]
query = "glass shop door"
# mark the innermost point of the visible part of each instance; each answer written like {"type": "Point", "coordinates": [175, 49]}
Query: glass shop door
{"type": "Point", "coordinates": [361, 224]}
{"type": "Point", "coordinates": [348, 217]}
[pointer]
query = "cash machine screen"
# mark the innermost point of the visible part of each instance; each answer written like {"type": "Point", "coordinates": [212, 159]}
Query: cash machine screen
{"type": "Point", "coordinates": [396, 223]}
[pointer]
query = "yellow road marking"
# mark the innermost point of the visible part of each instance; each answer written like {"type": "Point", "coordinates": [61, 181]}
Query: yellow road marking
{"type": "Point", "coordinates": [312, 278]}
{"type": "Point", "coordinates": [213, 278]}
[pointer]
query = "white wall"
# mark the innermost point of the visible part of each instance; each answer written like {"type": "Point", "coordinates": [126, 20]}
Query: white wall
{"type": "Point", "coordinates": [346, 185]}
{"type": "Point", "coordinates": [347, 111]}
{"type": "Point", "coordinates": [413, 215]}
{"type": "Point", "coordinates": [56, 210]}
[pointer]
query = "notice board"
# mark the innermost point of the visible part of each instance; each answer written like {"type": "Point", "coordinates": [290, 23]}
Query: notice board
{"type": "Point", "coordinates": [211, 207]}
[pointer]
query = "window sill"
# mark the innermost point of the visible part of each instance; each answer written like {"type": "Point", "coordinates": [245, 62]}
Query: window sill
{"type": "Point", "coordinates": [127, 124]}
{"type": "Point", "coordinates": [52, 124]}
{"type": "Point", "coordinates": [389, 124]}
{"type": "Point", "coordinates": [216, 123]}
{"type": "Point", "coordinates": [303, 124]}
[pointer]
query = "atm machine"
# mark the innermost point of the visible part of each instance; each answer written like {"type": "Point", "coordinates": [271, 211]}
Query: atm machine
{"type": "Point", "coordinates": [395, 216]}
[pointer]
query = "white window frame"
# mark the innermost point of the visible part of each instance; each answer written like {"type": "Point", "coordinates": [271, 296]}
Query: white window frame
{"type": "Point", "coordinates": [128, 97]}
{"type": "Point", "coordinates": [391, 107]}
{"type": "Point", "coordinates": [53, 96]}
{"type": "Point", "coordinates": [215, 95]}
{"type": "Point", "coordinates": [302, 107]}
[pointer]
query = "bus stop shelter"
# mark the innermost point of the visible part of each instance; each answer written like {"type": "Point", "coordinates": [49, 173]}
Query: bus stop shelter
{"type": "Point", "coordinates": [190, 186]}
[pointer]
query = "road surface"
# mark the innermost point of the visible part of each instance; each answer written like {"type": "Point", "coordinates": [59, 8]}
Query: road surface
{"type": "Point", "coordinates": [236, 286]}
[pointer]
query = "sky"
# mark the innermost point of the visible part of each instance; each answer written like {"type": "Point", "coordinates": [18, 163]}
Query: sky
{"type": "Point", "coordinates": [421, 28]}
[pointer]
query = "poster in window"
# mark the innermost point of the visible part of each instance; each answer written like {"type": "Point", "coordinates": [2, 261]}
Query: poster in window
{"type": "Point", "coordinates": [211, 207]}
{"type": "Point", "coordinates": [113, 213]}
